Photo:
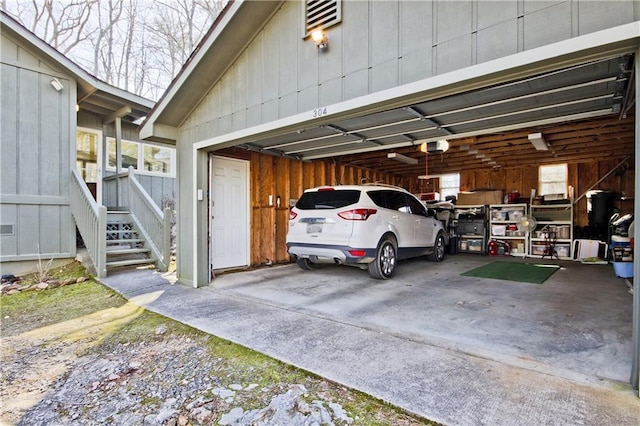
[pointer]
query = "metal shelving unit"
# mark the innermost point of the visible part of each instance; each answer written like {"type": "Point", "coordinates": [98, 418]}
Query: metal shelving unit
{"type": "Point", "coordinates": [503, 221]}
{"type": "Point", "coordinates": [471, 228]}
{"type": "Point", "coordinates": [555, 227]}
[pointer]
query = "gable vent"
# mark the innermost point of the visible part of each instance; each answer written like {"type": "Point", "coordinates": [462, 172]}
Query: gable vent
{"type": "Point", "coordinates": [6, 229]}
{"type": "Point", "coordinates": [320, 14]}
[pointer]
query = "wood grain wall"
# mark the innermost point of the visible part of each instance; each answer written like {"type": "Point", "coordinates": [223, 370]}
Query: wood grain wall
{"type": "Point", "coordinates": [582, 176]}
{"type": "Point", "coordinates": [287, 178]}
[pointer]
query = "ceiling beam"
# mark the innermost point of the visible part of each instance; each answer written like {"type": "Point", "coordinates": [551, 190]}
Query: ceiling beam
{"type": "Point", "coordinates": [119, 113]}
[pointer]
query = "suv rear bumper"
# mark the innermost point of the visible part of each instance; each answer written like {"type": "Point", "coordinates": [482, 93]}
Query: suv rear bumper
{"type": "Point", "coordinates": [319, 253]}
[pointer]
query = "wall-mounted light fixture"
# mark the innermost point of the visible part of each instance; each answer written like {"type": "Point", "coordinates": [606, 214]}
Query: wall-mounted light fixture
{"type": "Point", "coordinates": [538, 142]}
{"type": "Point", "coordinates": [57, 85]}
{"type": "Point", "coordinates": [320, 39]}
{"type": "Point", "coordinates": [402, 158]}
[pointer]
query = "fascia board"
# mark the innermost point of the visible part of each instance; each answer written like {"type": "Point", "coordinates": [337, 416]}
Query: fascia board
{"type": "Point", "coordinates": [186, 73]}
{"type": "Point", "coordinates": [605, 43]}
{"type": "Point", "coordinates": [71, 67]}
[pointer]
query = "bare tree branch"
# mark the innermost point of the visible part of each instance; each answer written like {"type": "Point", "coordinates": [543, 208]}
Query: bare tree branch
{"type": "Point", "coordinates": [138, 45]}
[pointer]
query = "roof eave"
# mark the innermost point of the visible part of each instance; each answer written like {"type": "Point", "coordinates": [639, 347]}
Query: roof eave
{"type": "Point", "coordinates": [86, 82]}
{"type": "Point", "coordinates": [235, 27]}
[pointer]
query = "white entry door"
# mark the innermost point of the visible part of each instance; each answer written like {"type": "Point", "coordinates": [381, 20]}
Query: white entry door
{"type": "Point", "coordinates": [229, 203]}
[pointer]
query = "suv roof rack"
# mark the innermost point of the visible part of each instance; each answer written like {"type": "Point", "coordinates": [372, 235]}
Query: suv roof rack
{"type": "Point", "coordinates": [382, 184]}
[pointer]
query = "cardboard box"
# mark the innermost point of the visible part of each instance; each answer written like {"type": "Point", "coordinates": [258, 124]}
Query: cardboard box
{"type": "Point", "coordinates": [479, 197]}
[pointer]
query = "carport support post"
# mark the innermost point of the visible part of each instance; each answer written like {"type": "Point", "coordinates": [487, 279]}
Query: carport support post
{"type": "Point", "coordinates": [635, 368]}
{"type": "Point", "coordinates": [201, 221]}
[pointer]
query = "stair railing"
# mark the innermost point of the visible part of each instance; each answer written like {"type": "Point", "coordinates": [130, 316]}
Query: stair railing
{"type": "Point", "coordinates": [153, 223]}
{"type": "Point", "coordinates": [91, 220]}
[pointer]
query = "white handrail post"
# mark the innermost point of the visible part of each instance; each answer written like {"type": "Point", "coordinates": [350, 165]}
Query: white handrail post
{"type": "Point", "coordinates": [166, 250]}
{"type": "Point", "coordinates": [101, 266]}
{"type": "Point", "coordinates": [130, 178]}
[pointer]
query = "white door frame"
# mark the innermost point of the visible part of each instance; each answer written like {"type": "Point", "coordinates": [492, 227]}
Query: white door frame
{"type": "Point", "coordinates": [101, 147]}
{"type": "Point", "coordinates": [246, 165]}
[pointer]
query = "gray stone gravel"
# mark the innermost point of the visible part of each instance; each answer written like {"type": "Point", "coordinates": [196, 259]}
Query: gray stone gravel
{"type": "Point", "coordinates": [169, 382]}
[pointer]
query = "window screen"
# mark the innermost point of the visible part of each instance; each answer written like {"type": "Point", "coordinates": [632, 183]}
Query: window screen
{"type": "Point", "coordinates": [553, 179]}
{"type": "Point", "coordinates": [449, 185]}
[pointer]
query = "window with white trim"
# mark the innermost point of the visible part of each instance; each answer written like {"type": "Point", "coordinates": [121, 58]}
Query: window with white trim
{"type": "Point", "coordinates": [145, 158]}
{"type": "Point", "coordinates": [552, 179]}
{"type": "Point", "coordinates": [449, 185]}
{"type": "Point", "coordinates": [87, 154]}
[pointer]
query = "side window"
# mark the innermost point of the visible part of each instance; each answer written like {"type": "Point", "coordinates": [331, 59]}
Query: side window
{"type": "Point", "coordinates": [416, 206]}
{"type": "Point", "coordinates": [392, 200]}
{"type": "Point", "coordinates": [395, 201]}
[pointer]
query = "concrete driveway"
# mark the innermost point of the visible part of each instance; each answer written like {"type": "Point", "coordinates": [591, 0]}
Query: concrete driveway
{"type": "Point", "coordinates": [577, 324]}
{"type": "Point", "coordinates": [456, 350]}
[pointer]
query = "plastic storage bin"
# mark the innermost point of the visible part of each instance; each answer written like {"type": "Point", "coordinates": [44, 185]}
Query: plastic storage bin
{"type": "Point", "coordinates": [623, 269]}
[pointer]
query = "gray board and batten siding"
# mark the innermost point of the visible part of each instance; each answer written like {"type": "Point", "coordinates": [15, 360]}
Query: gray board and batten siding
{"type": "Point", "coordinates": [378, 45]}
{"type": "Point", "coordinates": [38, 123]}
{"type": "Point", "coordinates": [161, 189]}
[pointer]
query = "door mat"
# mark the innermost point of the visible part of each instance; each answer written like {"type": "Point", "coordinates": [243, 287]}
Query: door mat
{"type": "Point", "coordinates": [534, 273]}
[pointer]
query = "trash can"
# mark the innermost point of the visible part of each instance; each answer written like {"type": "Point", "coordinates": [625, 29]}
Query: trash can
{"type": "Point", "coordinates": [453, 245]}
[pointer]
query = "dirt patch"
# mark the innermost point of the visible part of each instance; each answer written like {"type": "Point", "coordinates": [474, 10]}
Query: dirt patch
{"type": "Point", "coordinates": [80, 354]}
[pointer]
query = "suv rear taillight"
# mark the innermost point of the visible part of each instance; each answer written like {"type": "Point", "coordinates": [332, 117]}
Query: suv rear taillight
{"type": "Point", "coordinates": [357, 214]}
{"type": "Point", "coordinates": [292, 215]}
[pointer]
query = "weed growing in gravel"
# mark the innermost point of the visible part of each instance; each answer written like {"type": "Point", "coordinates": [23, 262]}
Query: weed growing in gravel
{"type": "Point", "coordinates": [95, 321]}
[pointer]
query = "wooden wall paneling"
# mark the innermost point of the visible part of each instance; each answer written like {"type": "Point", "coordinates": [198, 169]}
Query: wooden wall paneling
{"type": "Point", "coordinates": [497, 179]}
{"type": "Point", "coordinates": [332, 173]}
{"type": "Point", "coordinates": [467, 180]}
{"type": "Point", "coordinates": [340, 174]}
{"type": "Point", "coordinates": [308, 175]}
{"type": "Point", "coordinates": [529, 180]}
{"type": "Point", "coordinates": [483, 179]}
{"type": "Point", "coordinates": [255, 209]}
{"type": "Point", "coordinates": [612, 182]}
{"type": "Point", "coordinates": [587, 176]}
{"type": "Point", "coordinates": [295, 180]}
{"type": "Point", "coordinates": [282, 185]}
{"type": "Point", "coordinates": [627, 185]}
{"type": "Point", "coordinates": [573, 179]}
{"type": "Point", "coordinates": [267, 212]}
{"type": "Point", "coordinates": [513, 181]}
{"type": "Point", "coordinates": [320, 177]}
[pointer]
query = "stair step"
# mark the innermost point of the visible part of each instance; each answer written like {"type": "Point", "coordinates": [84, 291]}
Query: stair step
{"type": "Point", "coordinates": [125, 241]}
{"type": "Point", "coordinates": [121, 231]}
{"type": "Point", "coordinates": [130, 262]}
{"type": "Point", "coordinates": [119, 252]}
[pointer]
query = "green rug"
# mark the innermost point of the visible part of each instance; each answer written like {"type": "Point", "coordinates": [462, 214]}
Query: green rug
{"type": "Point", "coordinates": [534, 273]}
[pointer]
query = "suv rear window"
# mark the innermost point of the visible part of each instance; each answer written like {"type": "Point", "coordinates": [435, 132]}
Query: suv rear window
{"type": "Point", "coordinates": [332, 199]}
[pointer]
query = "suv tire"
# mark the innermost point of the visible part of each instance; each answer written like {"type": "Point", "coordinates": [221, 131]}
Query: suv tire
{"type": "Point", "coordinates": [384, 265]}
{"type": "Point", "coordinates": [306, 264]}
{"type": "Point", "coordinates": [439, 248]}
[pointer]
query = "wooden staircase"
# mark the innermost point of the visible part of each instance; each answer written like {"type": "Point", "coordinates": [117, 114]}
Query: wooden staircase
{"type": "Point", "coordinates": [125, 247]}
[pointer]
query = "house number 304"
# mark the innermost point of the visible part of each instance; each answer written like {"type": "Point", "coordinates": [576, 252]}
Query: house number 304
{"type": "Point", "coordinates": [319, 112]}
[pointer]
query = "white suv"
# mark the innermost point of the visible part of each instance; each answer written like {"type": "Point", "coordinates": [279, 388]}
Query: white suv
{"type": "Point", "coordinates": [369, 226]}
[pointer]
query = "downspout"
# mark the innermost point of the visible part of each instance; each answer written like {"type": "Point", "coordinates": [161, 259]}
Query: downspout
{"type": "Point", "coordinates": [635, 367]}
